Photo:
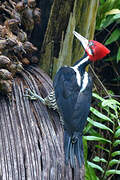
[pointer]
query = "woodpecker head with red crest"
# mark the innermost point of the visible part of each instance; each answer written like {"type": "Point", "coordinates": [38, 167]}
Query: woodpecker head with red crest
{"type": "Point", "coordinates": [94, 49]}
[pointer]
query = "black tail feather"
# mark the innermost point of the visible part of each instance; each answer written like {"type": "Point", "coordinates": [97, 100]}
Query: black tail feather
{"type": "Point", "coordinates": [72, 158]}
{"type": "Point", "coordinates": [73, 146]}
{"type": "Point", "coordinates": [79, 151]}
{"type": "Point", "coordinates": [67, 141]}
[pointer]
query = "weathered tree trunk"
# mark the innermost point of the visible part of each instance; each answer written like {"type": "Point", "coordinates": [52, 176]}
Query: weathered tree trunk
{"type": "Point", "coordinates": [59, 47]}
{"type": "Point", "coordinates": [31, 136]}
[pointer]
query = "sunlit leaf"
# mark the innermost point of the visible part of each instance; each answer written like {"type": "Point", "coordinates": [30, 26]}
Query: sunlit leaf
{"type": "Point", "coordinates": [95, 166]}
{"type": "Point", "coordinates": [98, 97]}
{"type": "Point", "coordinates": [99, 125]}
{"type": "Point", "coordinates": [97, 159]}
{"type": "Point", "coordinates": [113, 162]}
{"type": "Point", "coordinates": [117, 133]}
{"type": "Point", "coordinates": [118, 55]}
{"type": "Point", "coordinates": [100, 115]}
{"type": "Point", "coordinates": [94, 138]}
{"type": "Point", "coordinates": [112, 171]}
{"type": "Point", "coordinates": [117, 16]}
{"type": "Point", "coordinates": [109, 20]}
{"type": "Point", "coordinates": [115, 35]}
{"type": "Point", "coordinates": [113, 11]}
{"type": "Point", "coordinates": [116, 143]}
{"type": "Point", "coordinates": [110, 102]}
{"type": "Point", "coordinates": [116, 153]}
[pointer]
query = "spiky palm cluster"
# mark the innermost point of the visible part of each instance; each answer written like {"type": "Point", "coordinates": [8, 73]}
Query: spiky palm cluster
{"type": "Point", "coordinates": [17, 21]}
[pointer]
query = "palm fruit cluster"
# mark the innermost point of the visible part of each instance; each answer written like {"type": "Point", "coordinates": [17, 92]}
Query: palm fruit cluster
{"type": "Point", "coordinates": [17, 21]}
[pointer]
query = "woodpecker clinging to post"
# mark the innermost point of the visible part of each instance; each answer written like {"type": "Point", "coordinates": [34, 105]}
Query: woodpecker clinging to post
{"type": "Point", "coordinates": [72, 97]}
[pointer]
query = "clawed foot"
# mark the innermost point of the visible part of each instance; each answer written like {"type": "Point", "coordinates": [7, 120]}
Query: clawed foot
{"type": "Point", "coordinates": [30, 94]}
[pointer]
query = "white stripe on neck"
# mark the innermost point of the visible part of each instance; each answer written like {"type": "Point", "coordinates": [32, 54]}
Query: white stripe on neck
{"type": "Point", "coordinates": [81, 62]}
{"type": "Point", "coordinates": [85, 82]}
{"type": "Point", "coordinates": [78, 77]}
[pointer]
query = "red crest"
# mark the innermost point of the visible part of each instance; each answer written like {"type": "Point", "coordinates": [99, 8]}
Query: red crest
{"type": "Point", "coordinates": [99, 51]}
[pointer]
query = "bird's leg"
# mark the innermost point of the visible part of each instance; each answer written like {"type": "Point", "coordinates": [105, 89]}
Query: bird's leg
{"type": "Point", "coordinates": [50, 100]}
{"type": "Point", "coordinates": [33, 96]}
{"type": "Point", "coordinates": [13, 4]}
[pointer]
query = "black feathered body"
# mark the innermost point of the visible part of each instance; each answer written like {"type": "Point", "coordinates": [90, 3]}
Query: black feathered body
{"type": "Point", "coordinates": [74, 104]}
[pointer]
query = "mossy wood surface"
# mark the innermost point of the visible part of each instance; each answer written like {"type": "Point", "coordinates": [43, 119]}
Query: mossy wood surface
{"type": "Point", "coordinates": [59, 46]}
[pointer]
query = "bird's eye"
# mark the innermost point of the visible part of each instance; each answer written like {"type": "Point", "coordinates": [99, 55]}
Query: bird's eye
{"type": "Point", "coordinates": [91, 44]}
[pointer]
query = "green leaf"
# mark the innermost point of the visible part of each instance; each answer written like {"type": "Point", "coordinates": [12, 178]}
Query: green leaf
{"type": "Point", "coordinates": [116, 153]}
{"type": "Point", "coordinates": [113, 11]}
{"type": "Point", "coordinates": [113, 116]}
{"type": "Point", "coordinates": [117, 133]}
{"type": "Point", "coordinates": [112, 171]}
{"type": "Point", "coordinates": [118, 127]}
{"type": "Point", "coordinates": [117, 16]}
{"type": "Point", "coordinates": [97, 96]}
{"type": "Point", "coordinates": [113, 37]}
{"type": "Point", "coordinates": [87, 128]}
{"type": "Point", "coordinates": [95, 166]}
{"type": "Point", "coordinates": [100, 147]}
{"type": "Point", "coordinates": [99, 125]}
{"type": "Point", "coordinates": [102, 1]}
{"type": "Point", "coordinates": [100, 115]}
{"type": "Point", "coordinates": [113, 162]}
{"type": "Point", "coordinates": [118, 55]}
{"type": "Point", "coordinates": [116, 143]}
{"type": "Point", "coordinates": [90, 173]}
{"type": "Point", "coordinates": [112, 103]}
{"type": "Point", "coordinates": [93, 132]}
{"type": "Point", "coordinates": [85, 149]}
{"type": "Point", "coordinates": [94, 138]}
{"type": "Point", "coordinates": [97, 159]}
{"type": "Point", "coordinates": [109, 20]}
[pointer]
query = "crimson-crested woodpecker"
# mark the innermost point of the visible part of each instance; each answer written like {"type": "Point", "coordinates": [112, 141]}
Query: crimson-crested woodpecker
{"type": "Point", "coordinates": [72, 97]}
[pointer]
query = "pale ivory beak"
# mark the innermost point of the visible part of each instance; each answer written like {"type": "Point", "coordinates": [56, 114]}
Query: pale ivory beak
{"type": "Point", "coordinates": [84, 41]}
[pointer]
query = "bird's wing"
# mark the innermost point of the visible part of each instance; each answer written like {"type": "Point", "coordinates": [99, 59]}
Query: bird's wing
{"type": "Point", "coordinates": [81, 109]}
{"type": "Point", "coordinates": [66, 90]}
{"type": "Point", "coordinates": [73, 105]}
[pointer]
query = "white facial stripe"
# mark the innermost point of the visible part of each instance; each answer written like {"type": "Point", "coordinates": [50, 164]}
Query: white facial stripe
{"type": "Point", "coordinates": [75, 68]}
{"type": "Point", "coordinates": [85, 82]}
{"type": "Point", "coordinates": [78, 77]}
{"type": "Point", "coordinates": [82, 62]}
